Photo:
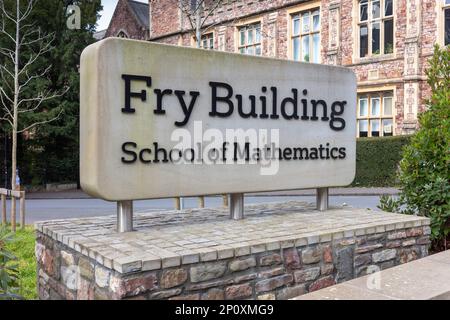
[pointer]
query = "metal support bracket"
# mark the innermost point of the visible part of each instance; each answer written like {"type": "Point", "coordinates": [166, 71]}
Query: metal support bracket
{"type": "Point", "coordinates": [124, 216]}
{"type": "Point", "coordinates": [237, 206]}
{"type": "Point", "coordinates": [322, 199]}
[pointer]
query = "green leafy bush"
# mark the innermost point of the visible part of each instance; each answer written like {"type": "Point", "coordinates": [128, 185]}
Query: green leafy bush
{"type": "Point", "coordinates": [425, 168]}
{"type": "Point", "coordinates": [377, 161]}
{"type": "Point", "coordinates": [8, 267]}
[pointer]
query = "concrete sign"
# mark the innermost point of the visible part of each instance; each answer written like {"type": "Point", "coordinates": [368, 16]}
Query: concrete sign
{"type": "Point", "coordinates": [163, 121]}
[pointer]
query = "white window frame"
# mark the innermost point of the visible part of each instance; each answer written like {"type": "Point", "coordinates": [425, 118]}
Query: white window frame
{"type": "Point", "coordinates": [246, 46]}
{"type": "Point", "coordinates": [311, 32]}
{"type": "Point", "coordinates": [209, 38]}
{"type": "Point", "coordinates": [369, 97]}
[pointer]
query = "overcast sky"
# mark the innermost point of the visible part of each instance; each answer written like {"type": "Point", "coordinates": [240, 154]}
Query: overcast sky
{"type": "Point", "coordinates": [108, 11]}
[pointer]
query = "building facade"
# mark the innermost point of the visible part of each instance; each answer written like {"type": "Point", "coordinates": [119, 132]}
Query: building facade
{"type": "Point", "coordinates": [130, 20]}
{"type": "Point", "coordinates": [386, 42]}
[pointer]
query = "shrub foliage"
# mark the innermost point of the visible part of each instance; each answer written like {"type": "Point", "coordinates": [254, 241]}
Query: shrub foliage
{"type": "Point", "coordinates": [425, 168]}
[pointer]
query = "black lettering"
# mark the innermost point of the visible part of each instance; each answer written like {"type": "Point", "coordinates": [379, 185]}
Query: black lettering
{"type": "Point", "coordinates": [287, 154]}
{"type": "Point", "coordinates": [334, 113]}
{"type": "Point", "coordinates": [333, 154]}
{"type": "Point", "coordinates": [128, 94]}
{"type": "Point", "coordinates": [129, 152]}
{"type": "Point", "coordinates": [314, 112]}
{"type": "Point", "coordinates": [294, 102]}
{"type": "Point", "coordinates": [159, 150]}
{"type": "Point", "coordinates": [301, 153]}
{"type": "Point", "coordinates": [215, 99]}
{"type": "Point", "coordinates": [252, 113]}
{"type": "Point", "coordinates": [342, 152]}
{"type": "Point", "coordinates": [159, 100]}
{"type": "Point", "coordinates": [314, 154]}
{"type": "Point", "coordinates": [263, 99]}
{"type": "Point", "coordinates": [187, 111]}
{"type": "Point", "coordinates": [142, 153]}
{"type": "Point", "coordinates": [274, 114]}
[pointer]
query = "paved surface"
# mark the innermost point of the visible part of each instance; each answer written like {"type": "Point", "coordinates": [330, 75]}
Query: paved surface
{"type": "Point", "coordinates": [79, 194]}
{"type": "Point", "coordinates": [424, 279]}
{"type": "Point", "coordinates": [173, 238]}
{"type": "Point", "coordinates": [39, 209]}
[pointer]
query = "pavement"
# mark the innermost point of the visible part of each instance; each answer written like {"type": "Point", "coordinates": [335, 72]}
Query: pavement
{"type": "Point", "coordinates": [424, 279]}
{"type": "Point", "coordinates": [79, 194]}
{"type": "Point", "coordinates": [41, 206]}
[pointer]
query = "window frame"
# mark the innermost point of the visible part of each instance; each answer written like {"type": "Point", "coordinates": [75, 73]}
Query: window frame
{"type": "Point", "coordinates": [443, 8]}
{"type": "Point", "coordinates": [368, 96]}
{"type": "Point", "coordinates": [369, 23]}
{"type": "Point", "coordinates": [208, 36]}
{"type": "Point", "coordinates": [298, 15]}
{"type": "Point", "coordinates": [246, 27]}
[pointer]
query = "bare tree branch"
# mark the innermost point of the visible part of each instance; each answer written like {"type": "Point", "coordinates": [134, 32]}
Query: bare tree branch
{"type": "Point", "coordinates": [40, 123]}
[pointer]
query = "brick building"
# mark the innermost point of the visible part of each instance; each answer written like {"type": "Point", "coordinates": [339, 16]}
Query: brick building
{"type": "Point", "coordinates": [130, 20]}
{"type": "Point", "coordinates": [386, 42]}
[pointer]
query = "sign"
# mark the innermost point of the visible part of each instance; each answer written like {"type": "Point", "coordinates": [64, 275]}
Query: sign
{"type": "Point", "coordinates": [163, 121]}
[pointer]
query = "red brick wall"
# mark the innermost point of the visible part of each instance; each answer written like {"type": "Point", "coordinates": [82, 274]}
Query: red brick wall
{"type": "Point", "coordinates": [124, 20]}
{"type": "Point", "coordinates": [166, 20]}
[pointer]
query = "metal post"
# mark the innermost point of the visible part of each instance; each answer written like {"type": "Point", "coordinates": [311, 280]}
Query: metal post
{"type": "Point", "coordinates": [13, 213]}
{"type": "Point", "coordinates": [237, 206]}
{"type": "Point", "coordinates": [201, 202]}
{"type": "Point", "coordinates": [181, 203]}
{"type": "Point", "coordinates": [177, 204]}
{"type": "Point", "coordinates": [3, 196]}
{"type": "Point", "coordinates": [124, 216]}
{"type": "Point", "coordinates": [22, 209]}
{"type": "Point", "coordinates": [322, 199]}
{"type": "Point", "coordinates": [225, 200]}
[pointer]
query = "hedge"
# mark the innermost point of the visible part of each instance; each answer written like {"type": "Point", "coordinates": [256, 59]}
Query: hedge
{"type": "Point", "coordinates": [377, 161]}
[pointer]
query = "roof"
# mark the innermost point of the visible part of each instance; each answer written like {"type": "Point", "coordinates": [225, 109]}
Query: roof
{"type": "Point", "coordinates": [99, 35]}
{"type": "Point", "coordinates": [141, 11]}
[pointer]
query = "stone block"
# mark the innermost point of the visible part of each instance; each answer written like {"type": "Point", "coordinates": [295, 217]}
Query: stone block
{"type": "Point", "coordinates": [242, 264]}
{"type": "Point", "coordinates": [311, 255]}
{"type": "Point", "coordinates": [239, 291]}
{"type": "Point", "coordinates": [273, 283]}
{"type": "Point", "coordinates": [102, 276]}
{"type": "Point", "coordinates": [270, 259]}
{"type": "Point", "coordinates": [173, 278]}
{"type": "Point", "coordinates": [306, 275]}
{"type": "Point", "coordinates": [322, 283]}
{"type": "Point", "coordinates": [384, 255]}
{"type": "Point", "coordinates": [207, 271]}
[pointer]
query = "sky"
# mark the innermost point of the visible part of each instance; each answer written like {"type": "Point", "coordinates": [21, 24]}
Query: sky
{"type": "Point", "coordinates": [107, 13]}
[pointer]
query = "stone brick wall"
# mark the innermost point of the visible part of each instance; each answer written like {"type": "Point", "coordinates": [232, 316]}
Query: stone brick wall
{"type": "Point", "coordinates": [123, 20]}
{"type": "Point", "coordinates": [416, 31]}
{"type": "Point", "coordinates": [283, 271]}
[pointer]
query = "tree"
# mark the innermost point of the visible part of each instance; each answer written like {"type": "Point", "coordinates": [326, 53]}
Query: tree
{"type": "Point", "coordinates": [198, 12]}
{"type": "Point", "coordinates": [21, 91]}
{"type": "Point", "coordinates": [425, 168]}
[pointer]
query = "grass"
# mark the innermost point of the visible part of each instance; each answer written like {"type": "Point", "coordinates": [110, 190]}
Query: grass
{"type": "Point", "coordinates": [23, 249]}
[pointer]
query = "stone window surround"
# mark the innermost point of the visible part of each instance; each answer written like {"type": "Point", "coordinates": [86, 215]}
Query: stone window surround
{"type": "Point", "coordinates": [355, 35]}
{"type": "Point", "coordinates": [379, 90]}
{"type": "Point", "coordinates": [120, 32]}
{"type": "Point", "coordinates": [205, 33]}
{"type": "Point", "coordinates": [245, 23]}
{"type": "Point", "coordinates": [290, 12]}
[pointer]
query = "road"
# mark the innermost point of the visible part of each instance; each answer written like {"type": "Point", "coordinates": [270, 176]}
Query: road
{"type": "Point", "coordinates": [48, 209]}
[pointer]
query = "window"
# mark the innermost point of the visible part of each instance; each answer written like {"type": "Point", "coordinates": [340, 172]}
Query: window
{"type": "Point", "coordinates": [446, 22]}
{"type": "Point", "coordinates": [207, 41]}
{"type": "Point", "coordinates": [305, 39]}
{"type": "Point", "coordinates": [122, 34]}
{"type": "Point", "coordinates": [376, 27]}
{"type": "Point", "coordinates": [375, 114]}
{"type": "Point", "coordinates": [250, 39]}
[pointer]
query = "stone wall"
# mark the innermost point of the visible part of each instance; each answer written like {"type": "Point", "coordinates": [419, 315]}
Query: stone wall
{"type": "Point", "coordinates": [272, 271]}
